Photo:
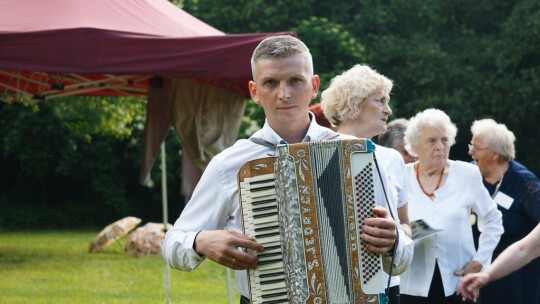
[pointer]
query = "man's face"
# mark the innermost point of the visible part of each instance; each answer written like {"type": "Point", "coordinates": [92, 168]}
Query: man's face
{"type": "Point", "coordinates": [284, 88]}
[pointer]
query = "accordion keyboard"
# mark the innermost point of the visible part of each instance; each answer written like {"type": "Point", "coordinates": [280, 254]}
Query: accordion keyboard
{"type": "Point", "coordinates": [258, 195]}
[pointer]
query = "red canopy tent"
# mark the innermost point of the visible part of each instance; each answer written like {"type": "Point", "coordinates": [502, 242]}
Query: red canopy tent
{"type": "Point", "coordinates": [56, 48]}
{"type": "Point", "coordinates": [46, 46]}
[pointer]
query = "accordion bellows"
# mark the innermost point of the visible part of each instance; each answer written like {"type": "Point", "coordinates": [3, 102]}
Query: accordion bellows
{"type": "Point", "coordinates": [307, 207]}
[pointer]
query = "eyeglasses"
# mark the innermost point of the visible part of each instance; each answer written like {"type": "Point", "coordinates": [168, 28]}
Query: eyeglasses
{"type": "Point", "coordinates": [472, 147]}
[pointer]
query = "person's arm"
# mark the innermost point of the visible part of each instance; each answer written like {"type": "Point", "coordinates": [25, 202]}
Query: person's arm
{"type": "Point", "coordinates": [198, 234]}
{"type": "Point", "coordinates": [511, 259]}
{"type": "Point", "coordinates": [403, 215]}
{"type": "Point", "coordinates": [489, 220]}
{"type": "Point", "coordinates": [404, 195]}
{"type": "Point", "coordinates": [381, 236]}
{"type": "Point", "coordinates": [516, 256]}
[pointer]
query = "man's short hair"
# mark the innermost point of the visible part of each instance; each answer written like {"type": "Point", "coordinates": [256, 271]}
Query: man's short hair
{"type": "Point", "coordinates": [284, 46]}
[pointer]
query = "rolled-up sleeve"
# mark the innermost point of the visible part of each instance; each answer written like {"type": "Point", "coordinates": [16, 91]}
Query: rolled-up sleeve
{"type": "Point", "coordinates": [178, 250]}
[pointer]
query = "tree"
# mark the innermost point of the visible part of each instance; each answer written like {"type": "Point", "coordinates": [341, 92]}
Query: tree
{"type": "Point", "coordinates": [472, 59]}
{"type": "Point", "coordinates": [72, 158]}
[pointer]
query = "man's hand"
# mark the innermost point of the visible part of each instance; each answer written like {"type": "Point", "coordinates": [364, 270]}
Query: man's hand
{"type": "Point", "coordinates": [221, 246]}
{"type": "Point", "coordinates": [468, 287]}
{"type": "Point", "coordinates": [379, 233]}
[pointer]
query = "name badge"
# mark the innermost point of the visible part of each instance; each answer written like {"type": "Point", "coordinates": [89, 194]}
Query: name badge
{"type": "Point", "coordinates": [503, 200]}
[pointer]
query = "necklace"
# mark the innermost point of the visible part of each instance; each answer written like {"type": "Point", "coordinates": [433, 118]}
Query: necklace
{"type": "Point", "coordinates": [499, 184]}
{"type": "Point", "coordinates": [497, 188]}
{"type": "Point", "coordinates": [430, 195]}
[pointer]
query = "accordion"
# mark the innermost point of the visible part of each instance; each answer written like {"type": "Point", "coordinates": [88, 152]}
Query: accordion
{"type": "Point", "coordinates": [307, 206]}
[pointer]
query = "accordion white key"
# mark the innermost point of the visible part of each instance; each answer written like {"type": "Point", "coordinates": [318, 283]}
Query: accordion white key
{"type": "Point", "coordinates": [307, 207]}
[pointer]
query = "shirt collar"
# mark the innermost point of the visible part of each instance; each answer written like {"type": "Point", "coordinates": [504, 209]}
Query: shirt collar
{"type": "Point", "coordinates": [314, 132]}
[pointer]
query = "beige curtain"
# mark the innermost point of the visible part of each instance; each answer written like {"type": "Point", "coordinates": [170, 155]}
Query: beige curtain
{"type": "Point", "coordinates": [156, 128]}
{"type": "Point", "coordinates": [207, 119]}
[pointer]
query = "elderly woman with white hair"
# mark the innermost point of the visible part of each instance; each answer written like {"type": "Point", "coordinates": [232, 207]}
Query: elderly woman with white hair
{"type": "Point", "coordinates": [357, 103]}
{"type": "Point", "coordinates": [516, 190]}
{"type": "Point", "coordinates": [444, 192]}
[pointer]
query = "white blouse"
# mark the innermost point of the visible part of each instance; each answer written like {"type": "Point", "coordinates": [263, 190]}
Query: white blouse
{"type": "Point", "coordinates": [453, 247]}
{"type": "Point", "coordinates": [394, 166]}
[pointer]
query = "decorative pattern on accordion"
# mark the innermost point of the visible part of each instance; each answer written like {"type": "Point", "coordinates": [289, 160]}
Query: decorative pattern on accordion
{"type": "Point", "coordinates": [324, 192]}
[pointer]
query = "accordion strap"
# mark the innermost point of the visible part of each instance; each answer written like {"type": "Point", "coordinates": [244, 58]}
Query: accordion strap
{"type": "Point", "coordinates": [268, 144]}
{"type": "Point", "coordinates": [262, 142]}
{"type": "Point", "coordinates": [330, 135]}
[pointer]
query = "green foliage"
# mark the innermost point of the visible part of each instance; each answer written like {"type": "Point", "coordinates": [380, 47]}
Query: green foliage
{"type": "Point", "coordinates": [69, 160]}
{"type": "Point", "coordinates": [252, 121]}
{"type": "Point", "coordinates": [333, 48]}
{"type": "Point", "coordinates": [88, 116]}
{"type": "Point", "coordinates": [472, 59]}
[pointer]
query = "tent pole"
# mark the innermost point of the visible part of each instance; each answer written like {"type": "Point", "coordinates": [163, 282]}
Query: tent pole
{"type": "Point", "coordinates": [229, 292]}
{"type": "Point", "coordinates": [167, 278]}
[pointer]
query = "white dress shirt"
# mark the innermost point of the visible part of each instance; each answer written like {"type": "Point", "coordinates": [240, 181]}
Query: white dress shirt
{"type": "Point", "coordinates": [215, 203]}
{"type": "Point", "coordinates": [453, 247]}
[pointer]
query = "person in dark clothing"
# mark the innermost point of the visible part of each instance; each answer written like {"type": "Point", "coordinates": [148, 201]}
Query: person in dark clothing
{"type": "Point", "coordinates": [516, 190]}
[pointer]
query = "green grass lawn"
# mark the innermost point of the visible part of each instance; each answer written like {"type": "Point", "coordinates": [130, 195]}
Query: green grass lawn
{"type": "Point", "coordinates": [54, 267]}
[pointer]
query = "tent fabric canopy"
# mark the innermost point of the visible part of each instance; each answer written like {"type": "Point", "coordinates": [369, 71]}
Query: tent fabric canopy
{"type": "Point", "coordinates": [112, 47]}
{"type": "Point", "coordinates": [138, 17]}
{"type": "Point", "coordinates": [57, 48]}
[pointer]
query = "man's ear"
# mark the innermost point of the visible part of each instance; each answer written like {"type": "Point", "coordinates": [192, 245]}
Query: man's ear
{"type": "Point", "coordinates": [315, 82]}
{"type": "Point", "coordinates": [253, 91]}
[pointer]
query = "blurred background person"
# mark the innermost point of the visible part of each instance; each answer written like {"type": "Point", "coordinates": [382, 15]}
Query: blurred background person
{"type": "Point", "coordinates": [393, 138]}
{"type": "Point", "coordinates": [511, 259]}
{"type": "Point", "coordinates": [443, 194]}
{"type": "Point", "coordinates": [516, 190]}
{"type": "Point", "coordinates": [357, 103]}
{"type": "Point", "coordinates": [319, 116]}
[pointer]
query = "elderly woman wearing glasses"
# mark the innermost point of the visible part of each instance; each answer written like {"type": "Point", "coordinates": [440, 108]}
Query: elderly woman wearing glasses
{"type": "Point", "coordinates": [516, 190]}
{"type": "Point", "coordinates": [444, 192]}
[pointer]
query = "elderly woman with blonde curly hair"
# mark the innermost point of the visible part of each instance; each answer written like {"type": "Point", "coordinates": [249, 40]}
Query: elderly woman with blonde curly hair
{"type": "Point", "coordinates": [444, 192]}
{"type": "Point", "coordinates": [357, 103]}
{"type": "Point", "coordinates": [516, 190]}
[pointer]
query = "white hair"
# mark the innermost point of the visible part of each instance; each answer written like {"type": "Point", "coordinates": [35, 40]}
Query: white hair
{"type": "Point", "coordinates": [497, 138]}
{"type": "Point", "coordinates": [343, 100]}
{"type": "Point", "coordinates": [428, 118]}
